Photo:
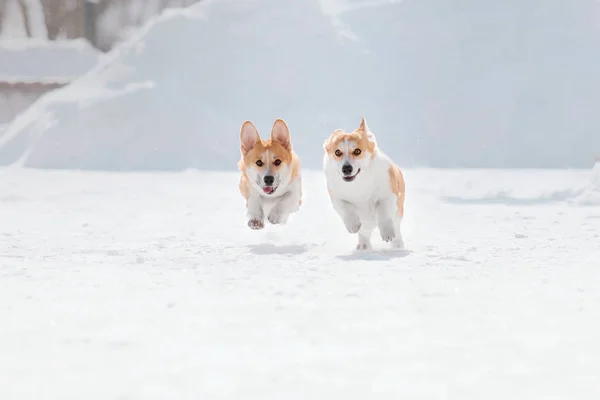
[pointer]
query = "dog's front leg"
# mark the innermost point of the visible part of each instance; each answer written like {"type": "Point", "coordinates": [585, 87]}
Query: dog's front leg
{"type": "Point", "coordinates": [347, 211]}
{"type": "Point", "coordinates": [286, 204]}
{"type": "Point", "coordinates": [255, 211]}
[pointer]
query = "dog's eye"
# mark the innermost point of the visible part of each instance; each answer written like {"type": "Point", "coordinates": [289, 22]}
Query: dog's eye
{"type": "Point", "coordinates": [277, 162]}
{"type": "Point", "coordinates": [259, 163]}
{"type": "Point", "coordinates": [356, 152]}
{"type": "Point", "coordinates": [338, 153]}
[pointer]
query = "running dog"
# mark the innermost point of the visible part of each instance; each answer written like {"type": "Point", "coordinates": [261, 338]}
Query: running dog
{"type": "Point", "coordinates": [366, 187]}
{"type": "Point", "coordinates": [270, 181]}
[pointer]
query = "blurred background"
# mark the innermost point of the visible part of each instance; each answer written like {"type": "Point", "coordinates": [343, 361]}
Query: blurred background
{"type": "Point", "coordinates": [165, 84]}
{"type": "Point", "coordinates": [102, 22]}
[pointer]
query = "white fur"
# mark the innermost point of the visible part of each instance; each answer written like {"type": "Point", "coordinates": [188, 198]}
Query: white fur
{"type": "Point", "coordinates": [279, 205]}
{"type": "Point", "coordinates": [368, 201]}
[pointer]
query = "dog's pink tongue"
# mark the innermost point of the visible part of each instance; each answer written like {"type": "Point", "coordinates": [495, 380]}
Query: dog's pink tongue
{"type": "Point", "coordinates": [268, 189]}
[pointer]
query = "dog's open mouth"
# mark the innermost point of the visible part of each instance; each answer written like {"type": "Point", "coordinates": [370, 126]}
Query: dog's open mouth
{"type": "Point", "coordinates": [269, 189]}
{"type": "Point", "coordinates": [350, 178]}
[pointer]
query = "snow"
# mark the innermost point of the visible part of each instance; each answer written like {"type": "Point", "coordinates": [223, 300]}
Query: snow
{"type": "Point", "coordinates": [33, 60]}
{"type": "Point", "coordinates": [119, 20]}
{"type": "Point", "coordinates": [150, 285]}
{"type": "Point", "coordinates": [175, 93]}
{"type": "Point", "coordinates": [590, 195]}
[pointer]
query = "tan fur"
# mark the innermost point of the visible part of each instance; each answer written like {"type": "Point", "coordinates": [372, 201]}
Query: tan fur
{"type": "Point", "coordinates": [296, 171]}
{"type": "Point", "coordinates": [244, 184]}
{"type": "Point", "coordinates": [398, 187]}
{"type": "Point", "coordinates": [359, 136]}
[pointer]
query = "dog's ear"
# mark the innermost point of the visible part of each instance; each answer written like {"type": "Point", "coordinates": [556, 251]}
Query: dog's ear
{"type": "Point", "coordinates": [280, 133]}
{"type": "Point", "coordinates": [364, 130]}
{"type": "Point", "coordinates": [327, 144]}
{"type": "Point", "coordinates": [363, 125]}
{"type": "Point", "coordinates": [248, 136]}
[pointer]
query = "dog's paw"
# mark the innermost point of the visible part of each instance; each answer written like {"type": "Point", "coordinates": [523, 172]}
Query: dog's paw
{"type": "Point", "coordinates": [398, 243]}
{"type": "Point", "coordinates": [363, 246]}
{"type": "Point", "coordinates": [256, 223]}
{"type": "Point", "coordinates": [275, 217]}
{"type": "Point", "coordinates": [387, 232]}
{"type": "Point", "coordinates": [352, 223]}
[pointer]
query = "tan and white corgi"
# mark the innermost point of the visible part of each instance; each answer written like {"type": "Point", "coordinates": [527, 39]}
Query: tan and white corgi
{"type": "Point", "coordinates": [366, 187]}
{"type": "Point", "coordinates": [270, 181]}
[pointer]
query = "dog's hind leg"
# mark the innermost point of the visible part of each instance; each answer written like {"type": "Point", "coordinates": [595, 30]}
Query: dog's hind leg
{"type": "Point", "coordinates": [398, 242]}
{"type": "Point", "coordinates": [386, 218]}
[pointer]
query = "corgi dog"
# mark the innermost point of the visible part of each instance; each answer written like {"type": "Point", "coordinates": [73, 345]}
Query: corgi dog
{"type": "Point", "coordinates": [366, 187]}
{"type": "Point", "coordinates": [270, 181]}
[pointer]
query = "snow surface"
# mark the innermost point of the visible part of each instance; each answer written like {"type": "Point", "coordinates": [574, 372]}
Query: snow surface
{"type": "Point", "coordinates": [591, 194]}
{"type": "Point", "coordinates": [32, 60]}
{"type": "Point", "coordinates": [150, 286]}
{"type": "Point", "coordinates": [119, 19]}
{"type": "Point", "coordinates": [454, 85]}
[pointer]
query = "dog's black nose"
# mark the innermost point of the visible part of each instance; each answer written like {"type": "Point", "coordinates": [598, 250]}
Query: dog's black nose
{"type": "Point", "coordinates": [347, 169]}
{"type": "Point", "coordinates": [269, 180]}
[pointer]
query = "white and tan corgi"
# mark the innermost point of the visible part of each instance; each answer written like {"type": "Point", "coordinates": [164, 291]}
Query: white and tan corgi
{"type": "Point", "coordinates": [366, 187]}
{"type": "Point", "coordinates": [270, 181]}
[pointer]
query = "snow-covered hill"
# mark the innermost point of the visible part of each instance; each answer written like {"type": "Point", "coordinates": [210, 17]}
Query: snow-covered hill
{"type": "Point", "coordinates": [151, 286]}
{"type": "Point", "coordinates": [175, 94]}
{"type": "Point", "coordinates": [458, 85]}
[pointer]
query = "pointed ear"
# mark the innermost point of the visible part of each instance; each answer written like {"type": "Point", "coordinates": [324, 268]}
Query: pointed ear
{"type": "Point", "coordinates": [363, 125]}
{"type": "Point", "coordinates": [248, 136]}
{"type": "Point", "coordinates": [364, 129]}
{"type": "Point", "coordinates": [281, 134]}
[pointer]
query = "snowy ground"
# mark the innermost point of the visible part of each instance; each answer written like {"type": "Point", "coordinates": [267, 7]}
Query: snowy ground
{"type": "Point", "coordinates": [150, 286]}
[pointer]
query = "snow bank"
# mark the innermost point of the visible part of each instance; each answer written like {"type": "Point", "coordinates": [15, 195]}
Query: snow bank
{"type": "Point", "coordinates": [28, 60]}
{"type": "Point", "coordinates": [444, 87]}
{"type": "Point", "coordinates": [175, 94]}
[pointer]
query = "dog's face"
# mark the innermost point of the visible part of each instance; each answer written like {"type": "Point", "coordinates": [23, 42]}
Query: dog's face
{"type": "Point", "coordinates": [267, 163]}
{"type": "Point", "coordinates": [351, 152]}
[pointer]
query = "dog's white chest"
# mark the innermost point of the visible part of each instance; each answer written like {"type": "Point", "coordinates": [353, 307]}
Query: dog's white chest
{"type": "Point", "coordinates": [360, 191]}
{"type": "Point", "coordinates": [354, 192]}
